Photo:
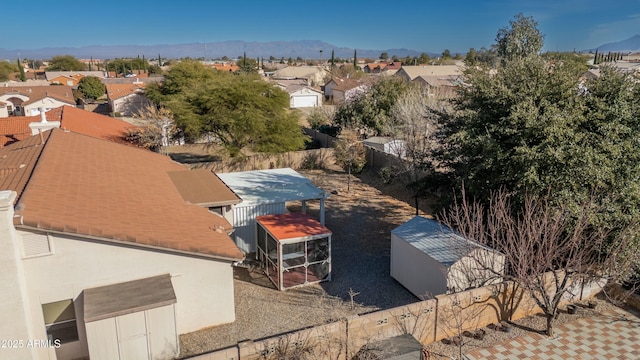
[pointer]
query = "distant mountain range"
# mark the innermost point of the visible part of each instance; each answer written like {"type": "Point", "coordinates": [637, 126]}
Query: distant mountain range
{"type": "Point", "coordinates": [306, 49]}
{"type": "Point", "coordinates": [631, 44]}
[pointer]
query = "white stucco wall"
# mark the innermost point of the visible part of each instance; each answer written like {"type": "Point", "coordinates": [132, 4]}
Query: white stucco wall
{"type": "Point", "coordinates": [46, 103]}
{"type": "Point", "coordinates": [14, 327]}
{"type": "Point", "coordinates": [203, 287]}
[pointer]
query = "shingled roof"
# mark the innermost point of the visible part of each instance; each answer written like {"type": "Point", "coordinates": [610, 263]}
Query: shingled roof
{"type": "Point", "coordinates": [87, 187]}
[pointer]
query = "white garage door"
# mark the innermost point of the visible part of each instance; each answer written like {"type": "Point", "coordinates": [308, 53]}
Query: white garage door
{"type": "Point", "coordinates": [305, 101]}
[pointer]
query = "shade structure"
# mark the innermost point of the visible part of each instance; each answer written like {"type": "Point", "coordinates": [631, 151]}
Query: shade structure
{"type": "Point", "coordinates": [293, 249]}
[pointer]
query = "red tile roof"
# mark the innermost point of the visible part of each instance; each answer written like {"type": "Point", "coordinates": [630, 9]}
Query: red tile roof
{"type": "Point", "coordinates": [117, 91]}
{"type": "Point", "coordinates": [83, 186]}
{"type": "Point", "coordinates": [36, 93]}
{"type": "Point", "coordinates": [71, 118]}
{"type": "Point", "coordinates": [14, 129]}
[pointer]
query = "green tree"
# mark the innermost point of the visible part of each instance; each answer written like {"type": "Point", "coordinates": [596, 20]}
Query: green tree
{"type": "Point", "coordinates": [384, 56]}
{"type": "Point", "coordinates": [520, 39]}
{"type": "Point", "coordinates": [91, 87]}
{"type": "Point", "coordinates": [23, 77]}
{"type": "Point", "coordinates": [446, 54]}
{"type": "Point", "coordinates": [371, 109]}
{"type": "Point", "coordinates": [529, 128]}
{"type": "Point", "coordinates": [6, 69]}
{"type": "Point", "coordinates": [65, 63]}
{"type": "Point", "coordinates": [333, 59]}
{"type": "Point", "coordinates": [471, 59]}
{"type": "Point", "coordinates": [355, 59]}
{"type": "Point", "coordinates": [424, 58]}
{"type": "Point", "coordinates": [242, 111]}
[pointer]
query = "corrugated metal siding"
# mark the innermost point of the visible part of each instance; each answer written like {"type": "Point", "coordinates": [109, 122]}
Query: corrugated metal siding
{"type": "Point", "coordinates": [245, 223]}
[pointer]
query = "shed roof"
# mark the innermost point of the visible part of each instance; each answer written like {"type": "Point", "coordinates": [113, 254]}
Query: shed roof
{"type": "Point", "coordinates": [292, 226]}
{"type": "Point", "coordinates": [202, 187]}
{"type": "Point", "coordinates": [435, 239]}
{"type": "Point", "coordinates": [128, 297]}
{"type": "Point", "coordinates": [271, 186]}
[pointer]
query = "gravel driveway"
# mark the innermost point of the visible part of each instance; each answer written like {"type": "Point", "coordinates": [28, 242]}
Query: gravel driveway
{"type": "Point", "coordinates": [361, 221]}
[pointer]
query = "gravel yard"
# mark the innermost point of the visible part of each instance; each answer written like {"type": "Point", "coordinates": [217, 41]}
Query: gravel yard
{"type": "Point", "coordinates": [361, 221]}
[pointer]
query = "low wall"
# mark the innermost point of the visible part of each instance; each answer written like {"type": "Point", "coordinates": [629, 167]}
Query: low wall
{"type": "Point", "coordinates": [428, 321]}
{"type": "Point", "coordinates": [307, 159]}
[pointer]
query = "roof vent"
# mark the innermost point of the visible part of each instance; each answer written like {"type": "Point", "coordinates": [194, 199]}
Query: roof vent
{"type": "Point", "coordinates": [43, 115]}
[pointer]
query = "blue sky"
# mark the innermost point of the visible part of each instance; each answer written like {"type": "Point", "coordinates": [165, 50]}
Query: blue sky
{"type": "Point", "coordinates": [430, 26]}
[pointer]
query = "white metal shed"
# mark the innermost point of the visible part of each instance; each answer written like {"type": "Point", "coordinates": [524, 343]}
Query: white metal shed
{"type": "Point", "coordinates": [429, 259]}
{"type": "Point", "coordinates": [266, 192]}
{"type": "Point", "coordinates": [388, 145]}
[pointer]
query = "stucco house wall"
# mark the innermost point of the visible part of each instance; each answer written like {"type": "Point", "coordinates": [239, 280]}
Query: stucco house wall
{"type": "Point", "coordinates": [203, 287]}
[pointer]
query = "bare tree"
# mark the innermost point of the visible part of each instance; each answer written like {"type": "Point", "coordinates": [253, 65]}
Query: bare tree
{"type": "Point", "coordinates": [350, 153]}
{"type": "Point", "coordinates": [415, 123]}
{"type": "Point", "coordinates": [459, 316]}
{"type": "Point", "coordinates": [549, 249]}
{"type": "Point", "coordinates": [155, 131]}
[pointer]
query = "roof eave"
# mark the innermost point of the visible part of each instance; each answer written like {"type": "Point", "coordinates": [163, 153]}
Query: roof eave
{"type": "Point", "coordinates": [20, 225]}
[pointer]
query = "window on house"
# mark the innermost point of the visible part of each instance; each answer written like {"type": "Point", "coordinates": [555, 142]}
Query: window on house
{"type": "Point", "coordinates": [60, 321]}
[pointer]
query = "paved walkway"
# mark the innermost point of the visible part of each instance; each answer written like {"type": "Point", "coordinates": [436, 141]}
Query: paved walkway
{"type": "Point", "coordinates": [614, 335]}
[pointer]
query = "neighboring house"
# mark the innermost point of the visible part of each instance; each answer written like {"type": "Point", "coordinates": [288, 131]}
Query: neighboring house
{"type": "Point", "coordinates": [340, 90]}
{"type": "Point", "coordinates": [28, 83]}
{"type": "Point", "coordinates": [69, 118]}
{"type": "Point", "coordinates": [313, 75]}
{"type": "Point", "coordinates": [127, 99]}
{"type": "Point", "coordinates": [267, 192]}
{"type": "Point", "coordinates": [444, 85]}
{"type": "Point", "coordinates": [70, 78]}
{"type": "Point", "coordinates": [375, 68]}
{"type": "Point", "coordinates": [300, 95]}
{"type": "Point", "coordinates": [27, 101]}
{"type": "Point", "coordinates": [227, 67]}
{"type": "Point", "coordinates": [102, 255]}
{"type": "Point", "coordinates": [412, 72]}
{"type": "Point", "coordinates": [430, 259]}
{"type": "Point", "coordinates": [387, 145]}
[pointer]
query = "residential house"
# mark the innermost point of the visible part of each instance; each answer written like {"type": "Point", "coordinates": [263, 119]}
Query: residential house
{"type": "Point", "coordinates": [443, 85]}
{"type": "Point", "coordinates": [227, 67]}
{"type": "Point", "coordinates": [313, 75]}
{"type": "Point", "coordinates": [103, 257]}
{"type": "Point", "coordinates": [27, 101]}
{"type": "Point", "coordinates": [375, 68]}
{"type": "Point", "coordinates": [340, 90]}
{"type": "Point", "coordinates": [430, 259]}
{"type": "Point", "coordinates": [68, 118]}
{"type": "Point", "coordinates": [70, 78]}
{"type": "Point", "coordinates": [300, 95]}
{"type": "Point", "coordinates": [127, 99]}
{"type": "Point", "coordinates": [412, 72]}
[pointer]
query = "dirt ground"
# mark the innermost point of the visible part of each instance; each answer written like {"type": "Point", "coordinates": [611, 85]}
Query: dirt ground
{"type": "Point", "coordinates": [361, 220]}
